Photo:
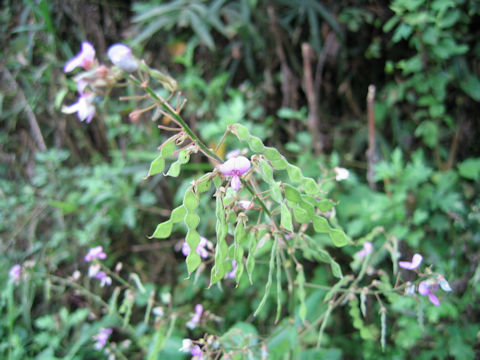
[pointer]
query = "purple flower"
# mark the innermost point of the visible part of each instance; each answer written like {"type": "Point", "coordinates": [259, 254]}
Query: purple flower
{"type": "Point", "coordinates": [367, 249]}
{"type": "Point", "coordinates": [236, 166]}
{"type": "Point", "coordinates": [121, 56]}
{"type": "Point", "coordinates": [102, 337]}
{"type": "Point", "coordinates": [95, 253]}
{"type": "Point", "coordinates": [192, 324]}
{"type": "Point", "coordinates": [84, 58]}
{"type": "Point", "coordinates": [196, 352]}
{"type": "Point", "coordinates": [415, 263]}
{"type": "Point", "coordinates": [15, 273]}
{"type": "Point", "coordinates": [83, 107]}
{"type": "Point", "coordinates": [231, 274]}
{"type": "Point", "coordinates": [200, 249]}
{"type": "Point", "coordinates": [104, 278]}
{"type": "Point", "coordinates": [427, 288]}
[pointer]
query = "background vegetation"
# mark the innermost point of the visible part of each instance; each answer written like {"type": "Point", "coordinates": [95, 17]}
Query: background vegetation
{"type": "Point", "coordinates": [297, 74]}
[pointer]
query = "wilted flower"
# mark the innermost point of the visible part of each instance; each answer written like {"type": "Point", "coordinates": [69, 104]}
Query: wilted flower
{"type": "Point", "coordinates": [444, 284]}
{"type": "Point", "coordinates": [121, 56]}
{"type": "Point", "coordinates": [341, 173]}
{"type": "Point", "coordinates": [15, 273]}
{"type": "Point", "coordinates": [85, 58]}
{"type": "Point", "coordinates": [236, 166]}
{"type": "Point", "coordinates": [231, 274]}
{"type": "Point", "coordinates": [367, 249]}
{"type": "Point", "coordinates": [102, 337]}
{"type": "Point", "coordinates": [245, 204]}
{"type": "Point", "coordinates": [192, 324]}
{"type": "Point", "coordinates": [415, 263]}
{"type": "Point", "coordinates": [186, 345]}
{"type": "Point", "coordinates": [200, 249]}
{"type": "Point", "coordinates": [95, 253]}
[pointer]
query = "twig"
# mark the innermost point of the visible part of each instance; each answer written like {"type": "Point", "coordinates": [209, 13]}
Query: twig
{"type": "Point", "coordinates": [371, 154]}
{"type": "Point", "coordinates": [32, 120]}
{"type": "Point", "coordinates": [312, 99]}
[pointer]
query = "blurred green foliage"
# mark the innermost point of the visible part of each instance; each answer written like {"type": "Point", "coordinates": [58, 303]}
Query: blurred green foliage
{"type": "Point", "coordinates": [66, 186]}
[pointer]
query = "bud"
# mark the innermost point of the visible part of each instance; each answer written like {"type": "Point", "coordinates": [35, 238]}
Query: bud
{"type": "Point", "coordinates": [121, 56]}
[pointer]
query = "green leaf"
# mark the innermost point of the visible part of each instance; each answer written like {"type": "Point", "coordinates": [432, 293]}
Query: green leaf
{"type": "Point", "coordinates": [339, 238]}
{"type": "Point", "coordinates": [292, 194]}
{"type": "Point", "coordinates": [266, 171]}
{"type": "Point", "coordinates": [302, 312]}
{"type": "Point", "coordinates": [320, 224]}
{"type": "Point", "coordinates": [280, 164]}
{"type": "Point", "coordinates": [256, 144]}
{"type": "Point", "coordinates": [192, 220]}
{"type": "Point", "coordinates": [157, 166]}
{"type": "Point", "coordinates": [286, 217]}
{"type": "Point", "coordinates": [301, 215]}
{"type": "Point", "coordinates": [174, 170]}
{"type": "Point", "coordinates": [310, 186]}
{"type": "Point", "coordinates": [168, 148]}
{"type": "Point", "coordinates": [163, 230]}
{"type": "Point", "coordinates": [190, 200]}
{"type": "Point", "coordinates": [203, 184]}
{"type": "Point", "coordinates": [272, 154]}
{"type": "Point", "coordinates": [470, 169]}
{"type": "Point", "coordinates": [193, 260]}
{"type": "Point", "coordinates": [275, 192]}
{"type": "Point", "coordinates": [269, 279]}
{"type": "Point", "coordinates": [178, 214]}
{"type": "Point", "coordinates": [242, 132]}
{"type": "Point", "coordinates": [294, 173]}
{"type": "Point", "coordinates": [324, 205]}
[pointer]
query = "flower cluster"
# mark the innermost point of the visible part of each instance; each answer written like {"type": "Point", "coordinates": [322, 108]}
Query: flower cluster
{"type": "Point", "coordinates": [15, 273]}
{"type": "Point", "coordinates": [193, 322]}
{"type": "Point", "coordinates": [200, 249]}
{"type": "Point", "coordinates": [102, 337]}
{"type": "Point", "coordinates": [94, 271]}
{"type": "Point", "coordinates": [96, 76]}
{"type": "Point", "coordinates": [429, 286]}
{"type": "Point", "coordinates": [193, 349]}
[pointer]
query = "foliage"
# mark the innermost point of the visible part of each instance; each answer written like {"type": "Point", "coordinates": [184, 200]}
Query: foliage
{"type": "Point", "coordinates": [282, 277]}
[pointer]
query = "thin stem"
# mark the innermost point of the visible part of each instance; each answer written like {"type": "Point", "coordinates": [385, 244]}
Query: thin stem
{"type": "Point", "coordinates": [204, 148]}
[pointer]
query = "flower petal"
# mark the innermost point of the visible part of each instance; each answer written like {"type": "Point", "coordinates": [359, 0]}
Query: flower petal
{"type": "Point", "coordinates": [236, 183]}
{"type": "Point", "coordinates": [424, 288]}
{"type": "Point", "coordinates": [415, 263]}
{"type": "Point", "coordinates": [433, 299]}
{"type": "Point", "coordinates": [227, 167]}
{"type": "Point", "coordinates": [242, 164]}
{"type": "Point", "coordinates": [121, 56]}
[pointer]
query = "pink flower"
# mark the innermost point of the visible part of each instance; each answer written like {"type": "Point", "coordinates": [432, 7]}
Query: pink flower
{"type": "Point", "coordinates": [200, 249]}
{"type": "Point", "coordinates": [196, 352]}
{"type": "Point", "coordinates": [192, 324]}
{"type": "Point", "coordinates": [367, 249]}
{"type": "Point", "coordinates": [102, 338]}
{"type": "Point", "coordinates": [415, 263]}
{"type": "Point", "coordinates": [95, 253]}
{"type": "Point", "coordinates": [121, 56]}
{"type": "Point", "coordinates": [236, 166]}
{"type": "Point", "coordinates": [84, 58]}
{"type": "Point", "coordinates": [15, 273]}
{"type": "Point", "coordinates": [427, 288]}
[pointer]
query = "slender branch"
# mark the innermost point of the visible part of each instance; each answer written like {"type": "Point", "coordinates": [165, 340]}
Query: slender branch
{"type": "Point", "coordinates": [204, 148]}
{"type": "Point", "coordinates": [371, 155]}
